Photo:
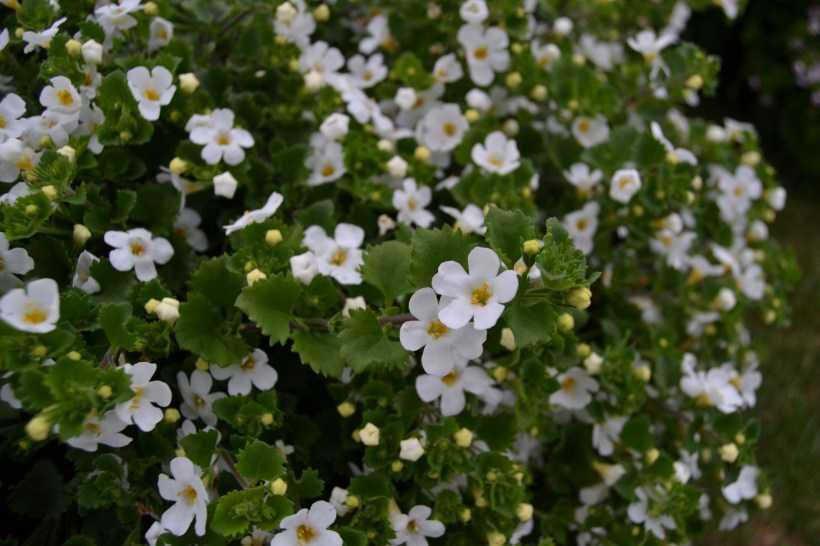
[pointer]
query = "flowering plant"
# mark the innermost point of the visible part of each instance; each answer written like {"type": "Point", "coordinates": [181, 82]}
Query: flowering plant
{"type": "Point", "coordinates": [378, 272]}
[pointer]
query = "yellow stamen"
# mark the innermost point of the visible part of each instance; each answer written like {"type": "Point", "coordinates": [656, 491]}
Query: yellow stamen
{"type": "Point", "coordinates": [481, 295]}
{"type": "Point", "coordinates": [436, 329]}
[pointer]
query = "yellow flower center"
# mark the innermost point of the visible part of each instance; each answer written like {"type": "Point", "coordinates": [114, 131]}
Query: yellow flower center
{"type": "Point", "coordinates": [24, 163]}
{"type": "Point", "coordinates": [739, 191]}
{"type": "Point", "coordinates": [582, 224]}
{"type": "Point", "coordinates": [93, 428]}
{"type": "Point", "coordinates": [2, 122]}
{"type": "Point", "coordinates": [328, 169]}
{"type": "Point", "coordinates": [223, 139]}
{"type": "Point", "coordinates": [449, 128]}
{"type": "Point", "coordinates": [199, 401]}
{"type": "Point", "coordinates": [189, 494]}
{"type": "Point", "coordinates": [151, 94]}
{"type": "Point", "coordinates": [248, 364]}
{"type": "Point", "coordinates": [568, 384]}
{"type": "Point", "coordinates": [481, 53]}
{"type": "Point", "coordinates": [481, 295]}
{"type": "Point", "coordinates": [65, 98]}
{"type": "Point", "coordinates": [436, 329]}
{"type": "Point", "coordinates": [495, 160]}
{"type": "Point", "coordinates": [450, 378]}
{"type": "Point", "coordinates": [583, 126]}
{"type": "Point", "coordinates": [137, 248]}
{"type": "Point", "coordinates": [412, 527]}
{"type": "Point", "coordinates": [624, 181]}
{"type": "Point", "coordinates": [305, 534]}
{"type": "Point", "coordinates": [34, 314]}
{"type": "Point", "coordinates": [339, 257]}
{"type": "Point", "coordinates": [703, 400]}
{"type": "Point", "coordinates": [411, 204]}
{"type": "Point", "coordinates": [135, 401]}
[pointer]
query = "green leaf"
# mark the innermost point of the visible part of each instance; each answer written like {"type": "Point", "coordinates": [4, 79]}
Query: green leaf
{"type": "Point", "coordinates": [216, 282]}
{"type": "Point", "coordinates": [308, 486]}
{"type": "Point", "coordinates": [364, 342]}
{"type": "Point", "coordinates": [562, 265]}
{"type": "Point", "coordinates": [431, 247]}
{"type": "Point", "coordinates": [387, 267]}
{"type": "Point", "coordinates": [113, 320]}
{"type": "Point", "coordinates": [269, 303]}
{"type": "Point", "coordinates": [637, 434]}
{"type": "Point", "coordinates": [507, 231]}
{"type": "Point", "coordinates": [319, 351]}
{"type": "Point", "coordinates": [200, 447]}
{"type": "Point", "coordinates": [259, 461]}
{"type": "Point", "coordinates": [371, 486]}
{"type": "Point", "coordinates": [202, 329]}
{"type": "Point", "coordinates": [236, 511]}
{"type": "Point", "coordinates": [530, 324]}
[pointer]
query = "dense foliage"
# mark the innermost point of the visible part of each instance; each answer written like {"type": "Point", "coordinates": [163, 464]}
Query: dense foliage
{"type": "Point", "coordinates": [378, 272]}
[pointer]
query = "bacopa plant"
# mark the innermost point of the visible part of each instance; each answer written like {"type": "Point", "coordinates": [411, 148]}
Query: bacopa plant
{"type": "Point", "coordinates": [416, 272]}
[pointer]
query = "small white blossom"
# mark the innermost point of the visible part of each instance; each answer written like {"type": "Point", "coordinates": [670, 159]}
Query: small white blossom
{"type": "Point", "coordinates": [442, 128]}
{"type": "Point", "coordinates": [450, 387]}
{"type": "Point", "coordinates": [339, 257]}
{"type": "Point", "coordinates": [411, 202]}
{"type": "Point", "coordinates": [143, 407]}
{"type": "Point", "coordinates": [470, 220]}
{"type": "Point", "coordinates": [106, 431]}
{"type": "Point", "coordinates": [411, 450]}
{"type": "Point", "coordinates": [187, 491]}
{"type": "Point", "coordinates": [12, 108]}
{"type": "Point", "coordinates": [625, 183]}
{"type": "Point", "coordinates": [82, 274]}
{"type": "Point", "coordinates": [582, 225]}
{"type": "Point", "coordinates": [258, 215]}
{"type": "Point", "coordinates": [486, 52]}
{"type": "Point", "coordinates": [42, 39]}
{"type": "Point", "coordinates": [186, 225]}
{"type": "Point", "coordinates": [222, 141]}
{"type": "Point", "coordinates": [639, 512]}
{"type": "Point", "coordinates": [309, 527]}
{"type": "Point", "coordinates": [498, 154]}
{"type": "Point", "coordinates": [35, 308]}
{"type": "Point", "coordinates": [590, 131]}
{"type": "Point", "coordinates": [575, 389]}
{"type": "Point", "coordinates": [151, 90]}
{"type": "Point", "coordinates": [161, 33]}
{"type": "Point", "coordinates": [335, 126]}
{"type": "Point", "coordinates": [582, 177]}
{"type": "Point", "coordinates": [606, 434]}
{"type": "Point", "coordinates": [745, 487]}
{"type": "Point", "coordinates": [254, 370]}
{"type": "Point", "coordinates": [414, 527]}
{"type": "Point", "coordinates": [14, 261]}
{"type": "Point", "coordinates": [139, 250]}
{"type": "Point", "coordinates": [197, 397]}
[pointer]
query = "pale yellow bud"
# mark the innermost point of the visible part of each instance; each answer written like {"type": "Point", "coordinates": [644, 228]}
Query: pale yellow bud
{"type": "Point", "coordinates": [81, 234]}
{"type": "Point", "coordinates": [74, 47]}
{"type": "Point", "coordinates": [566, 323]}
{"type": "Point", "coordinates": [495, 538]}
{"type": "Point", "coordinates": [472, 115]}
{"type": "Point", "coordinates": [532, 246]}
{"type": "Point", "coordinates": [465, 515]}
{"type": "Point", "coordinates": [422, 153]}
{"type": "Point", "coordinates": [524, 511]}
{"type": "Point", "coordinates": [508, 339]}
{"type": "Point", "coordinates": [172, 415]}
{"type": "Point", "coordinates": [273, 237]}
{"type": "Point", "coordinates": [369, 435]}
{"type": "Point", "coordinates": [31, 210]}
{"type": "Point", "coordinates": [642, 372]}
{"type": "Point", "coordinates": [39, 351]}
{"type": "Point", "coordinates": [38, 428]}
{"type": "Point", "coordinates": [500, 373]}
{"type": "Point", "coordinates": [695, 82]}
{"type": "Point", "coordinates": [201, 364]}
{"type": "Point", "coordinates": [346, 409]}
{"type": "Point", "coordinates": [105, 392]}
{"type": "Point", "coordinates": [74, 355]}
{"type": "Point", "coordinates": [151, 306]}
{"type": "Point", "coordinates": [321, 13]}
{"type": "Point", "coordinates": [178, 166]}
{"type": "Point", "coordinates": [352, 501]}
{"type": "Point", "coordinates": [188, 83]}
{"type": "Point", "coordinates": [764, 501]}
{"type": "Point", "coordinates": [68, 152]}
{"type": "Point", "coordinates": [396, 466]}
{"type": "Point", "coordinates": [278, 486]}
{"type": "Point", "coordinates": [150, 8]}
{"type": "Point", "coordinates": [255, 276]}
{"type": "Point", "coordinates": [513, 80]}
{"type": "Point", "coordinates": [729, 452]}
{"type": "Point", "coordinates": [464, 437]}
{"type": "Point", "coordinates": [538, 93]}
{"type": "Point", "coordinates": [651, 455]}
{"type": "Point", "coordinates": [580, 298]}
{"type": "Point", "coordinates": [266, 419]}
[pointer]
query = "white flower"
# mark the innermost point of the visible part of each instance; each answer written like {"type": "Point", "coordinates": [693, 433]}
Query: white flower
{"type": "Point", "coordinates": [256, 216]}
{"type": "Point", "coordinates": [162, 31]}
{"type": "Point", "coordinates": [737, 193]}
{"type": "Point", "coordinates": [745, 487]}
{"type": "Point", "coordinates": [34, 309]}
{"type": "Point", "coordinates": [4, 39]}
{"type": "Point", "coordinates": [82, 274]}
{"type": "Point", "coordinates": [479, 294]}
{"type": "Point", "coordinates": [711, 388]}
{"type": "Point", "coordinates": [582, 177]}
{"type": "Point", "coordinates": [443, 346]}
{"type": "Point", "coordinates": [304, 267]}
{"type": "Point", "coordinates": [575, 391]}
{"type": "Point", "coordinates": [379, 35]}
{"type": "Point", "coordinates": [545, 55]}
{"type": "Point", "coordinates": [447, 69]}
{"type": "Point", "coordinates": [225, 185]}
{"type": "Point", "coordinates": [625, 183]}
{"type": "Point", "coordinates": [678, 154]}
{"type": "Point", "coordinates": [639, 512]}
{"type": "Point", "coordinates": [338, 498]}
{"type": "Point", "coordinates": [353, 304]}
{"type": "Point", "coordinates": [335, 126]}
{"type": "Point", "coordinates": [498, 154]}
{"type": "Point", "coordinates": [151, 90]}
{"type": "Point", "coordinates": [442, 128]}
{"type": "Point", "coordinates": [16, 157]}
{"type": "Point", "coordinates": [116, 17]}
{"type": "Point", "coordinates": [323, 60]}
{"type": "Point", "coordinates": [411, 202]}
{"type": "Point", "coordinates": [12, 108]}
{"type": "Point", "coordinates": [732, 518]}
{"type": "Point", "coordinates": [309, 527]}
{"type": "Point", "coordinates": [221, 139]}
{"type": "Point", "coordinates": [106, 431]}
{"type": "Point", "coordinates": [253, 370]}
{"type": "Point", "coordinates": [142, 408]}
{"type": "Point", "coordinates": [92, 52]}
{"type": "Point", "coordinates": [43, 38]}
{"type": "Point", "coordinates": [582, 225]}
{"type": "Point", "coordinates": [674, 246]}
{"type": "Point", "coordinates": [139, 250]}
{"type": "Point", "coordinates": [470, 220]}
{"type": "Point", "coordinates": [606, 434]}
{"type": "Point", "coordinates": [186, 225]}
{"type": "Point", "coordinates": [187, 491]}
{"type": "Point", "coordinates": [414, 527]}
{"type": "Point", "coordinates": [366, 73]}
{"type": "Point", "coordinates": [486, 51]}
{"type": "Point", "coordinates": [590, 131]}
{"type": "Point", "coordinates": [339, 257]}
{"type": "Point", "coordinates": [17, 191]}
{"type": "Point", "coordinates": [197, 396]}
{"type": "Point", "coordinates": [294, 22]}
{"type": "Point", "coordinates": [406, 98]}
{"type": "Point", "coordinates": [411, 449]}
{"type": "Point", "coordinates": [15, 261]}
{"type": "Point", "coordinates": [61, 97]}
{"type": "Point", "coordinates": [649, 44]}
{"type": "Point", "coordinates": [326, 161]}
{"type": "Point", "coordinates": [474, 11]}
{"type": "Point", "coordinates": [450, 387]}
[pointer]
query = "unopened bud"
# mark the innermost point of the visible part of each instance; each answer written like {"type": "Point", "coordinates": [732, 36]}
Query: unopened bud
{"type": "Point", "coordinates": [580, 298]}
{"type": "Point", "coordinates": [38, 428]}
{"type": "Point", "coordinates": [464, 437]}
{"type": "Point", "coordinates": [279, 486]}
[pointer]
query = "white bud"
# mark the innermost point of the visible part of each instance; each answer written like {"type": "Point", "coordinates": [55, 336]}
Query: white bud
{"type": "Point", "coordinates": [313, 81]}
{"type": "Point", "coordinates": [406, 98]}
{"type": "Point", "coordinates": [370, 435]}
{"type": "Point", "coordinates": [562, 26]}
{"type": "Point", "coordinates": [397, 167]}
{"type": "Point", "coordinates": [353, 304]}
{"type": "Point", "coordinates": [225, 185]}
{"type": "Point", "coordinates": [411, 450]}
{"type": "Point", "coordinates": [92, 52]}
{"type": "Point", "coordinates": [335, 126]}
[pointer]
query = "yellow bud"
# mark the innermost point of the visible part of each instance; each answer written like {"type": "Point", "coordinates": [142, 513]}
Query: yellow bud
{"type": "Point", "coordinates": [172, 415]}
{"type": "Point", "coordinates": [105, 392]}
{"type": "Point", "coordinates": [38, 428]}
{"type": "Point", "coordinates": [279, 486]}
{"type": "Point", "coordinates": [18, 32]}
{"type": "Point", "coordinates": [729, 452]}
{"type": "Point", "coordinates": [695, 82]}
{"type": "Point", "coordinates": [266, 419]}
{"type": "Point", "coordinates": [273, 237]}
{"type": "Point", "coordinates": [464, 437]}
{"type": "Point", "coordinates": [508, 339]}
{"type": "Point", "coordinates": [532, 246]}
{"type": "Point", "coordinates": [201, 364]}
{"type": "Point", "coordinates": [81, 234]}
{"type": "Point", "coordinates": [580, 298]}
{"type": "Point", "coordinates": [538, 93]}
{"type": "Point", "coordinates": [255, 276]}
{"type": "Point", "coordinates": [465, 515]}
{"type": "Point", "coordinates": [125, 136]}
{"type": "Point", "coordinates": [68, 152]}
{"type": "Point", "coordinates": [31, 210]}
{"type": "Point", "coordinates": [346, 409]}
{"type": "Point", "coordinates": [151, 305]}
{"type": "Point", "coordinates": [583, 350]}
{"type": "Point", "coordinates": [651, 455]}
{"type": "Point", "coordinates": [642, 372]}
{"type": "Point", "coordinates": [178, 166]}
{"type": "Point", "coordinates": [524, 511]}
{"type": "Point", "coordinates": [396, 466]}
{"type": "Point", "coordinates": [188, 83]}
{"type": "Point", "coordinates": [39, 351]}
{"type": "Point", "coordinates": [74, 355]}
{"type": "Point", "coordinates": [472, 115]}
{"type": "Point", "coordinates": [422, 153]}
{"type": "Point", "coordinates": [764, 501]}
{"type": "Point", "coordinates": [352, 501]}
{"type": "Point", "coordinates": [491, 476]}
{"type": "Point", "coordinates": [150, 8]}
{"type": "Point", "coordinates": [513, 80]}
{"type": "Point", "coordinates": [370, 435]}
{"type": "Point", "coordinates": [751, 158]}
{"type": "Point", "coordinates": [495, 538]}
{"type": "Point", "coordinates": [566, 323]}
{"type": "Point", "coordinates": [74, 47]}
{"type": "Point", "coordinates": [740, 438]}
{"type": "Point", "coordinates": [321, 13]}
{"type": "Point", "coordinates": [500, 373]}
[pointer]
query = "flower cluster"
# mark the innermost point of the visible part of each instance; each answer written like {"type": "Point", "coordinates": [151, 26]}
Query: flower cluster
{"type": "Point", "coordinates": [409, 272]}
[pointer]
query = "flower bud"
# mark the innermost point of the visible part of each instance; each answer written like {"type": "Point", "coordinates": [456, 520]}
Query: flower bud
{"type": "Point", "coordinates": [167, 310]}
{"type": "Point", "coordinates": [695, 82]}
{"type": "Point", "coordinates": [593, 363]}
{"type": "Point", "coordinates": [50, 192]}
{"type": "Point", "coordinates": [508, 339]}
{"type": "Point", "coordinates": [513, 80]}
{"type": "Point", "coordinates": [533, 246]}
{"type": "Point", "coordinates": [188, 83]}
{"type": "Point", "coordinates": [225, 185]}
{"type": "Point", "coordinates": [151, 306]}
{"type": "Point", "coordinates": [764, 501]}
{"type": "Point", "coordinates": [38, 428]}
{"type": "Point", "coordinates": [279, 486]}
{"type": "Point", "coordinates": [150, 8]}
{"type": "Point", "coordinates": [178, 166]}
{"type": "Point", "coordinates": [397, 167]}
{"type": "Point", "coordinates": [369, 435]}
{"type": "Point", "coordinates": [353, 304]}
{"type": "Point", "coordinates": [642, 372]}
{"type": "Point", "coordinates": [524, 511]}
{"type": "Point", "coordinates": [566, 323]}
{"type": "Point", "coordinates": [651, 455]}
{"type": "Point", "coordinates": [464, 437]}
{"type": "Point", "coordinates": [92, 52]}
{"type": "Point", "coordinates": [422, 153]}
{"type": "Point", "coordinates": [411, 449]}
{"type": "Point", "coordinates": [74, 355]}
{"type": "Point", "coordinates": [321, 13]}
{"type": "Point", "coordinates": [396, 466]}
{"type": "Point", "coordinates": [580, 298]}
{"type": "Point", "coordinates": [729, 452]}
{"type": "Point", "coordinates": [273, 237]}
{"type": "Point", "coordinates": [105, 392]}
{"type": "Point", "coordinates": [539, 93]}
{"type": "Point", "coordinates": [254, 276]}
{"type": "Point", "coordinates": [172, 415]}
{"type": "Point", "coordinates": [495, 538]}
{"type": "Point", "coordinates": [74, 47]}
